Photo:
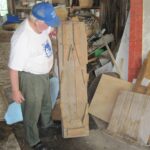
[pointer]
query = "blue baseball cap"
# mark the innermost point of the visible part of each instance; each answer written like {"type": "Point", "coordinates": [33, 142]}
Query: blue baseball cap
{"type": "Point", "coordinates": [45, 11]}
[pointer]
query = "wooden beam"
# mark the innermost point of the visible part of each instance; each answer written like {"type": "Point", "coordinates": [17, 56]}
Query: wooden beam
{"type": "Point", "coordinates": [72, 55]}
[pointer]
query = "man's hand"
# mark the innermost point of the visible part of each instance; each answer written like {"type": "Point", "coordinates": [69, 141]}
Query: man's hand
{"type": "Point", "coordinates": [17, 96]}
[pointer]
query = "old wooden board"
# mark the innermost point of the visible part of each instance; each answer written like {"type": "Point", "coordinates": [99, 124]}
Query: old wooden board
{"type": "Point", "coordinates": [81, 49]}
{"type": "Point", "coordinates": [143, 77]}
{"type": "Point", "coordinates": [72, 55]}
{"type": "Point", "coordinates": [105, 96]}
{"type": "Point", "coordinates": [4, 55]}
{"type": "Point", "coordinates": [131, 117]}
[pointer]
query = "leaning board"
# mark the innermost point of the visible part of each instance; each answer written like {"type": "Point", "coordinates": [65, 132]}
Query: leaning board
{"type": "Point", "coordinates": [72, 60]}
{"type": "Point", "coordinates": [105, 96]}
{"type": "Point", "coordinates": [131, 117]}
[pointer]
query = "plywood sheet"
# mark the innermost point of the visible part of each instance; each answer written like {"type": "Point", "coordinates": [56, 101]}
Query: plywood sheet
{"type": "Point", "coordinates": [105, 96]}
{"type": "Point", "coordinates": [131, 117]}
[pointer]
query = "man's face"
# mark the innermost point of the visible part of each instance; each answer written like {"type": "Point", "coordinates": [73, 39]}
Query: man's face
{"type": "Point", "coordinates": [41, 26]}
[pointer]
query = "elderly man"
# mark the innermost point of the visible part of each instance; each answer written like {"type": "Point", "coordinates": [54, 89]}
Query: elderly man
{"type": "Point", "coordinates": [31, 59]}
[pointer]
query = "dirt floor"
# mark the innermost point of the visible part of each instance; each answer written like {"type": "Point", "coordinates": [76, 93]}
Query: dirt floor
{"type": "Point", "coordinates": [99, 139]}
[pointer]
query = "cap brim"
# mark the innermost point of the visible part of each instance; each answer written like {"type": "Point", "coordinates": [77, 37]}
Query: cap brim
{"type": "Point", "coordinates": [54, 22]}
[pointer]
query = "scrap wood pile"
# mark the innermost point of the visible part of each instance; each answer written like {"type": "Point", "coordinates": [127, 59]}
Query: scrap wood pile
{"type": "Point", "coordinates": [125, 106]}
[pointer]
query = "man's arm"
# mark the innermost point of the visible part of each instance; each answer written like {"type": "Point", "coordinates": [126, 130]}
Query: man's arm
{"type": "Point", "coordinates": [16, 94]}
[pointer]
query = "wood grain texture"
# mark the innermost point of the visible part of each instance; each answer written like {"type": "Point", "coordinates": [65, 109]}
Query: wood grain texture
{"type": "Point", "coordinates": [72, 55]}
{"type": "Point", "coordinates": [131, 117]}
{"type": "Point", "coordinates": [104, 99]}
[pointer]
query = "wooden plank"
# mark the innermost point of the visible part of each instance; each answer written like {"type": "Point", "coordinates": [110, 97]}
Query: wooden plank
{"type": "Point", "coordinates": [105, 96]}
{"type": "Point", "coordinates": [68, 95]}
{"type": "Point", "coordinates": [137, 86]}
{"type": "Point", "coordinates": [80, 83]}
{"type": "Point", "coordinates": [67, 40]}
{"type": "Point", "coordinates": [143, 74]}
{"type": "Point", "coordinates": [81, 59]}
{"type": "Point", "coordinates": [60, 50]}
{"type": "Point", "coordinates": [76, 132]}
{"type": "Point", "coordinates": [81, 49]}
{"type": "Point", "coordinates": [114, 122]}
{"type": "Point", "coordinates": [131, 117]}
{"type": "Point", "coordinates": [73, 85]}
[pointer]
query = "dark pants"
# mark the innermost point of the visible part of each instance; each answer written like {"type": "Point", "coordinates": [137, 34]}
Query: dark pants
{"type": "Point", "coordinates": [36, 91]}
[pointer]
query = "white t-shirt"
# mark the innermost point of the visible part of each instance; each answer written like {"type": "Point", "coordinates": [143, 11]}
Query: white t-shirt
{"type": "Point", "coordinates": [30, 51]}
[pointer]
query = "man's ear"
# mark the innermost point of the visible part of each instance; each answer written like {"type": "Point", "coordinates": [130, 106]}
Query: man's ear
{"type": "Point", "coordinates": [36, 22]}
{"type": "Point", "coordinates": [53, 33]}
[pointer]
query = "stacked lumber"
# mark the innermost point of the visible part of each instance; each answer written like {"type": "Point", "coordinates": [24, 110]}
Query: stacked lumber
{"type": "Point", "coordinates": [131, 117]}
{"type": "Point", "coordinates": [126, 107]}
{"type": "Point", "coordinates": [72, 57]}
